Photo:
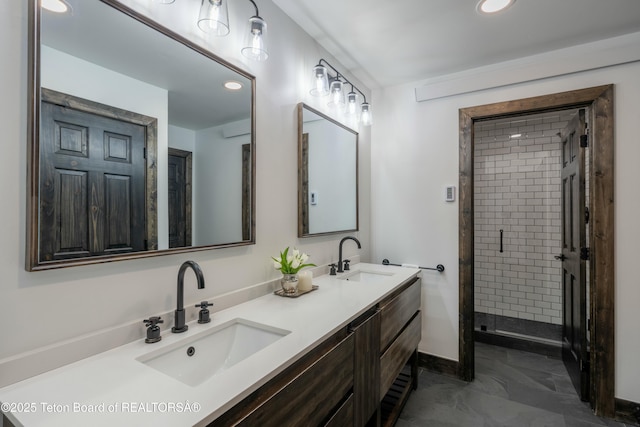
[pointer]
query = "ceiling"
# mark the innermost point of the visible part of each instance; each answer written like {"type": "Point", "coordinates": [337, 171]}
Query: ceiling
{"type": "Point", "coordinates": [383, 43]}
{"type": "Point", "coordinates": [137, 51]}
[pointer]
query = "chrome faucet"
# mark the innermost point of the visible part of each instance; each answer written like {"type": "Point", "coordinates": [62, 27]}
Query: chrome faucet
{"type": "Point", "coordinates": [340, 270]}
{"type": "Point", "coordinates": [179, 325]}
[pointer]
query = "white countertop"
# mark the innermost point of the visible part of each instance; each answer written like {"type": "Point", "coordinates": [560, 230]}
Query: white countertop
{"type": "Point", "coordinates": [124, 392]}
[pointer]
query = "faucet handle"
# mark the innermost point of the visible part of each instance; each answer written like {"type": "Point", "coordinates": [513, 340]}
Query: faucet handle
{"type": "Point", "coordinates": [153, 330]}
{"type": "Point", "coordinates": [333, 269]}
{"type": "Point", "coordinates": [153, 321]}
{"type": "Point", "coordinates": [346, 264]}
{"type": "Point", "coordinates": [203, 315]}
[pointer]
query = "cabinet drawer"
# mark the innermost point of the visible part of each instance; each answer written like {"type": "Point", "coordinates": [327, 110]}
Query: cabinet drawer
{"type": "Point", "coordinates": [312, 395]}
{"type": "Point", "coordinates": [399, 352]}
{"type": "Point", "coordinates": [395, 314]}
{"type": "Point", "coordinates": [343, 416]}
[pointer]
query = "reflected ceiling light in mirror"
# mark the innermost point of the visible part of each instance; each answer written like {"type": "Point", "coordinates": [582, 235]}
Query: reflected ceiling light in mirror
{"type": "Point", "coordinates": [214, 17]}
{"type": "Point", "coordinates": [320, 87]}
{"type": "Point", "coordinates": [57, 6]}
{"type": "Point", "coordinates": [486, 7]}
{"type": "Point", "coordinates": [232, 85]}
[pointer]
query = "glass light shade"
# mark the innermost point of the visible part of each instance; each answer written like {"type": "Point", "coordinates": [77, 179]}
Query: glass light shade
{"type": "Point", "coordinates": [214, 17]}
{"type": "Point", "coordinates": [319, 81]}
{"type": "Point", "coordinates": [365, 114]}
{"type": "Point", "coordinates": [336, 95]}
{"type": "Point", "coordinates": [352, 103]}
{"type": "Point", "coordinates": [255, 42]}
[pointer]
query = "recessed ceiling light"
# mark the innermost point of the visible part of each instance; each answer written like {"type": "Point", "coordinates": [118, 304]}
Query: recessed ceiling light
{"type": "Point", "coordinates": [493, 6]}
{"type": "Point", "coordinates": [57, 6]}
{"type": "Point", "coordinates": [233, 85]}
{"type": "Point", "coordinates": [515, 135]}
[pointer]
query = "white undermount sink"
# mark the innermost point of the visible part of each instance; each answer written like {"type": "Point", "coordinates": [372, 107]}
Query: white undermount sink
{"type": "Point", "coordinates": [367, 276]}
{"type": "Point", "coordinates": [200, 357]}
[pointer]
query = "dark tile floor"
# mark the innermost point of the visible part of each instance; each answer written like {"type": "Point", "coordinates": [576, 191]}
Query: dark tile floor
{"type": "Point", "coordinates": [512, 388]}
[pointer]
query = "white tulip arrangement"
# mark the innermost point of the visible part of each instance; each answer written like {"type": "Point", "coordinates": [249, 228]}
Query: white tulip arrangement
{"type": "Point", "coordinates": [291, 263]}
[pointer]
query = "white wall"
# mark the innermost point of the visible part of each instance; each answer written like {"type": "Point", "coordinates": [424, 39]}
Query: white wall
{"type": "Point", "coordinates": [218, 216]}
{"type": "Point", "coordinates": [42, 308]}
{"type": "Point", "coordinates": [415, 155]}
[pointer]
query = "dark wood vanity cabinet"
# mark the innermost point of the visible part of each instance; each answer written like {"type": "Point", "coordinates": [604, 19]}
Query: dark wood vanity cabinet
{"type": "Point", "coordinates": [360, 376]}
{"type": "Point", "coordinates": [400, 331]}
{"type": "Point", "coordinates": [316, 390]}
{"type": "Point", "coordinates": [366, 364]}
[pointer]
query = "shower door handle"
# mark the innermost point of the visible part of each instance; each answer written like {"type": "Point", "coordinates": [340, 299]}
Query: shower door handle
{"type": "Point", "coordinates": [560, 257]}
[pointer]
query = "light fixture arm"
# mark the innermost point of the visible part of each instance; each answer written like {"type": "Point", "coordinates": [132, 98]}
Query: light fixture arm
{"type": "Point", "coordinates": [256, 6]}
{"type": "Point", "coordinates": [338, 75]}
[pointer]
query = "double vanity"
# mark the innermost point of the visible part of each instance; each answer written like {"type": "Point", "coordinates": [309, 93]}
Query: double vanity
{"type": "Point", "coordinates": [343, 355]}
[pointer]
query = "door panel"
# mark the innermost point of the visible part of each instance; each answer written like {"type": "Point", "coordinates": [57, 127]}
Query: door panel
{"type": "Point", "coordinates": [118, 207]}
{"type": "Point", "coordinates": [71, 198]}
{"type": "Point", "coordinates": [574, 351]}
{"type": "Point", "coordinates": [179, 189]}
{"type": "Point", "coordinates": [92, 191]}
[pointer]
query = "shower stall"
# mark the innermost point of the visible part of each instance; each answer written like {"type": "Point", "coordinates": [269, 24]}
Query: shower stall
{"type": "Point", "coordinates": [518, 231]}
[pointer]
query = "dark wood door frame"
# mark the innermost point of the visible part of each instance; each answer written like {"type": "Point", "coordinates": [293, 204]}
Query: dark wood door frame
{"type": "Point", "coordinates": [601, 229]}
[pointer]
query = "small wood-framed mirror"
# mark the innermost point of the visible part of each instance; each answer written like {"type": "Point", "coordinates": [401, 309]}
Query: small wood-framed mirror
{"type": "Point", "coordinates": [327, 175]}
{"type": "Point", "coordinates": [136, 147]}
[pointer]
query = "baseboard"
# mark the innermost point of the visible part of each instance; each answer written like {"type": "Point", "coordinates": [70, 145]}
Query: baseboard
{"type": "Point", "coordinates": [546, 349]}
{"type": "Point", "coordinates": [627, 412]}
{"type": "Point", "coordinates": [437, 364]}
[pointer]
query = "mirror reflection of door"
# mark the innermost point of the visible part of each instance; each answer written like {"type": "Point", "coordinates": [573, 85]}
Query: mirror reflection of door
{"type": "Point", "coordinates": [92, 186]}
{"type": "Point", "coordinates": [179, 188]}
{"type": "Point", "coordinates": [246, 191]}
{"type": "Point", "coordinates": [575, 353]}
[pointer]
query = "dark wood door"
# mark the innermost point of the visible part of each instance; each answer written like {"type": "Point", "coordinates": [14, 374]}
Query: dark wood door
{"type": "Point", "coordinates": [179, 198]}
{"type": "Point", "coordinates": [574, 346]}
{"type": "Point", "coordinates": [92, 184]}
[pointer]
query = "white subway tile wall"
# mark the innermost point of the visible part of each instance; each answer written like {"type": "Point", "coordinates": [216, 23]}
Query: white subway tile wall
{"type": "Point", "coordinates": [517, 188]}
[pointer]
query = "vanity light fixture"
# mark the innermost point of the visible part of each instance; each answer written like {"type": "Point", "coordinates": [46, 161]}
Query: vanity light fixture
{"type": "Point", "coordinates": [487, 7]}
{"type": "Point", "coordinates": [57, 6]}
{"type": "Point", "coordinates": [336, 95]}
{"type": "Point", "coordinates": [352, 102]}
{"type": "Point", "coordinates": [214, 19]}
{"type": "Point", "coordinates": [365, 114]}
{"type": "Point", "coordinates": [323, 83]}
{"type": "Point", "coordinates": [319, 81]}
{"type": "Point", "coordinates": [255, 41]}
{"type": "Point", "coordinates": [233, 85]}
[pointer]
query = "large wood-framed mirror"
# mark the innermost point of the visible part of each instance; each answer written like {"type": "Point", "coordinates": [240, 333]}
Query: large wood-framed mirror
{"type": "Point", "coordinates": [136, 147]}
{"type": "Point", "coordinates": [327, 175]}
